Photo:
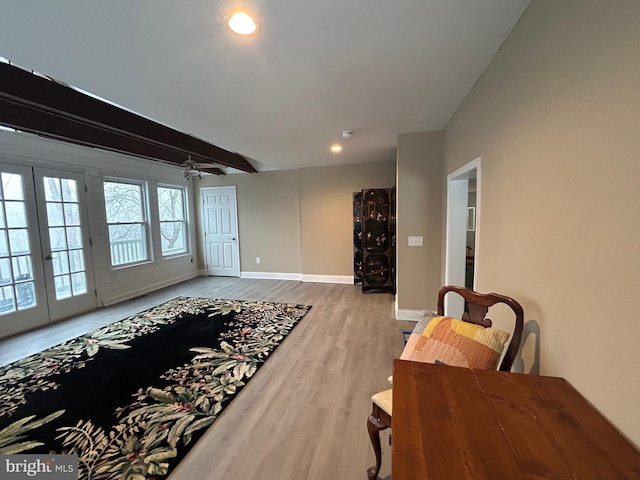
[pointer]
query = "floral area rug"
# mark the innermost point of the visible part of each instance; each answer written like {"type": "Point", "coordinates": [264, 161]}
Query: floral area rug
{"type": "Point", "coordinates": [131, 398]}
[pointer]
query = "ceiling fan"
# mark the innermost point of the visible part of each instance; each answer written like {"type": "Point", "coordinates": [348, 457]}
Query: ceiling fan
{"type": "Point", "coordinates": [193, 168]}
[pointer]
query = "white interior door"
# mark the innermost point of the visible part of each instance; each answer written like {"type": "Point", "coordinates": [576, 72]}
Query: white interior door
{"type": "Point", "coordinates": [45, 259]}
{"type": "Point", "coordinates": [220, 225]}
{"type": "Point", "coordinates": [62, 210]}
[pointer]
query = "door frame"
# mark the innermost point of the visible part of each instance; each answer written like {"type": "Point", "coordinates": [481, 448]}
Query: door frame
{"type": "Point", "coordinates": [203, 220]}
{"type": "Point", "coordinates": [456, 231]}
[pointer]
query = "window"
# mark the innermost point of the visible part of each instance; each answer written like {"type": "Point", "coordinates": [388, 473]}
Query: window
{"type": "Point", "coordinates": [126, 221]}
{"type": "Point", "coordinates": [173, 224]}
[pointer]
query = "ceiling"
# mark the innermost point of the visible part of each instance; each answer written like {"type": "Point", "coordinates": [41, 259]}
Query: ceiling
{"type": "Point", "coordinates": [281, 98]}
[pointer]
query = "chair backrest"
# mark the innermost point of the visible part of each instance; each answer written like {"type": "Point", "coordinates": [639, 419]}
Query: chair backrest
{"type": "Point", "coordinates": [477, 306]}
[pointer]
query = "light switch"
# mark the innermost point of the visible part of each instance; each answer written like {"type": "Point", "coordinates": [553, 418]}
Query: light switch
{"type": "Point", "coordinates": [416, 241]}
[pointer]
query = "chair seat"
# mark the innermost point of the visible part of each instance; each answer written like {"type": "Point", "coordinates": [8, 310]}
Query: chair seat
{"type": "Point", "coordinates": [384, 400]}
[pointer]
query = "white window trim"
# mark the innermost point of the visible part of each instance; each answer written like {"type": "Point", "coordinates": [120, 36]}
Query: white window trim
{"type": "Point", "coordinates": [185, 222]}
{"type": "Point", "coordinates": [144, 188]}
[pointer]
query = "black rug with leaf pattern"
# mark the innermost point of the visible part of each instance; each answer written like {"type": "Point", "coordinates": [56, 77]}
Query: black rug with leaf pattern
{"type": "Point", "coordinates": [131, 398]}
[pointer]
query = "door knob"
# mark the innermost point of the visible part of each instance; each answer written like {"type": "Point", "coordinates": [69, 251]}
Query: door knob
{"type": "Point", "coordinates": [233, 238]}
{"type": "Point", "coordinates": [48, 257]}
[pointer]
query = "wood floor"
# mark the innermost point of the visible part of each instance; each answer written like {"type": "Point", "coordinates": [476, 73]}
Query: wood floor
{"type": "Point", "coordinates": [303, 415]}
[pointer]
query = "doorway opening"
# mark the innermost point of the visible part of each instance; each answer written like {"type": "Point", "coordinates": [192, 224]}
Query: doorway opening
{"type": "Point", "coordinates": [462, 232]}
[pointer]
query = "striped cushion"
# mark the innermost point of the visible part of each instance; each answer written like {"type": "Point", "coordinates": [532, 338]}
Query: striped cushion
{"type": "Point", "coordinates": [454, 342]}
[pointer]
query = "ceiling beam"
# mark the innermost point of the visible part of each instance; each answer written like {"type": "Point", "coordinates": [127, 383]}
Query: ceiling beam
{"type": "Point", "coordinates": [34, 103]}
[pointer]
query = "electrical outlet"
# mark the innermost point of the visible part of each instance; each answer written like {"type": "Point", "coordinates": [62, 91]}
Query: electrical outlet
{"type": "Point", "coordinates": [416, 241]}
{"type": "Point", "coordinates": [258, 260]}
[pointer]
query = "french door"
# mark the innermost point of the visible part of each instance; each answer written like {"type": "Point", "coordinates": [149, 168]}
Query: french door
{"type": "Point", "coordinates": [45, 259]}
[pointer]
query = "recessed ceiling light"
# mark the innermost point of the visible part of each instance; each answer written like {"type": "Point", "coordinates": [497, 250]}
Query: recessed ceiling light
{"type": "Point", "coordinates": [241, 23]}
{"type": "Point", "coordinates": [335, 148]}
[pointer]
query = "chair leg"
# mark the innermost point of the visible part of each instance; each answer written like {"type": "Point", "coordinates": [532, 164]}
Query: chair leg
{"type": "Point", "coordinates": [375, 426]}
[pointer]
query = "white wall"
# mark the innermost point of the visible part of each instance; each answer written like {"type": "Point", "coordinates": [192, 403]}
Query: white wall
{"type": "Point", "coordinates": [112, 284]}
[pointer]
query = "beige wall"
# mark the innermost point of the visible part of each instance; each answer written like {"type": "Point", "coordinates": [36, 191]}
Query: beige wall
{"type": "Point", "coordinates": [299, 221]}
{"type": "Point", "coordinates": [419, 203]}
{"type": "Point", "coordinates": [555, 119]}
{"type": "Point", "coordinates": [326, 206]}
{"type": "Point", "coordinates": [268, 219]}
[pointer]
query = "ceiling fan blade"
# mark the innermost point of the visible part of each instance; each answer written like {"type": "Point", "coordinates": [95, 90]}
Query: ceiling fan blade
{"type": "Point", "coordinates": [200, 166]}
{"type": "Point", "coordinates": [210, 169]}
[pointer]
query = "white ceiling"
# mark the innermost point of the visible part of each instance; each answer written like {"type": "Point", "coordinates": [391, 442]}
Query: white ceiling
{"type": "Point", "coordinates": [281, 98]}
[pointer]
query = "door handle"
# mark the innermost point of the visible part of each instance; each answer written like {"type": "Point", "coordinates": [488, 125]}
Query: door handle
{"type": "Point", "coordinates": [233, 238]}
{"type": "Point", "coordinates": [48, 257]}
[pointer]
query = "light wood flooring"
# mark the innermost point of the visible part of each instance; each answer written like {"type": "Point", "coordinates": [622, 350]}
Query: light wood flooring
{"type": "Point", "coordinates": [303, 415]}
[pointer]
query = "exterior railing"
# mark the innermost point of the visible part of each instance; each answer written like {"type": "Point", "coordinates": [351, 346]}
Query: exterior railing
{"type": "Point", "coordinates": [127, 251]}
{"type": "Point", "coordinates": [131, 251]}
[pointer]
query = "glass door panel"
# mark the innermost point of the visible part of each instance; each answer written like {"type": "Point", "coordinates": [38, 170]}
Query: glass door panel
{"type": "Point", "coordinates": [23, 303]}
{"type": "Point", "coordinates": [16, 266]}
{"type": "Point", "coordinates": [65, 237]}
{"type": "Point", "coordinates": [64, 232]}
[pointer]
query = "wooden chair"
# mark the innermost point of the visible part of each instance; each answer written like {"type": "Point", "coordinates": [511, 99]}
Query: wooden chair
{"type": "Point", "coordinates": [477, 306]}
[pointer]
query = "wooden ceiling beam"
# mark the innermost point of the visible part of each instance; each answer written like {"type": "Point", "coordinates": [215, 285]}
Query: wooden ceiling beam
{"type": "Point", "coordinates": [25, 118]}
{"type": "Point", "coordinates": [33, 103]}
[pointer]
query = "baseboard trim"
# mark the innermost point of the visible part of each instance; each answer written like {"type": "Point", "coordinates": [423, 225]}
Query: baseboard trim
{"type": "Point", "coordinates": [413, 315]}
{"type": "Point", "coordinates": [298, 277]}
{"type": "Point", "coordinates": [345, 279]}
{"type": "Point", "coordinates": [406, 314]}
{"type": "Point", "coordinates": [272, 276]}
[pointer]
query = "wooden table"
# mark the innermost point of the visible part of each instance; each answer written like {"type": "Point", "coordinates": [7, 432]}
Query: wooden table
{"type": "Point", "coordinates": [453, 423]}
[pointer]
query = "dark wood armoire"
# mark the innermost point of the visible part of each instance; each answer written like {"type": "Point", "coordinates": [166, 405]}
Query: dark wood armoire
{"type": "Point", "coordinates": [357, 238]}
{"type": "Point", "coordinates": [374, 238]}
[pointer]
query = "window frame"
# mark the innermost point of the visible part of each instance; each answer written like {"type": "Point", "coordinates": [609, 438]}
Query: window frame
{"type": "Point", "coordinates": [145, 223]}
{"type": "Point", "coordinates": [185, 221]}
